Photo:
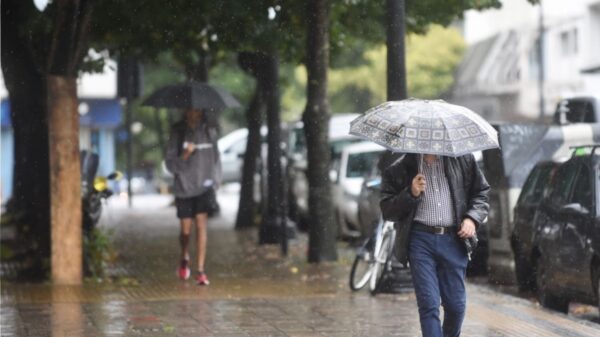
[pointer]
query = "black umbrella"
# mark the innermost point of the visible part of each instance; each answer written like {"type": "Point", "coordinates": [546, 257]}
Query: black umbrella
{"type": "Point", "coordinates": [192, 94]}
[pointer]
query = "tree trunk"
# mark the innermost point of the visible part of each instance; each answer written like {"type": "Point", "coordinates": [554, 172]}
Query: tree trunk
{"type": "Point", "coordinates": [62, 56]}
{"type": "Point", "coordinates": [65, 180]}
{"type": "Point", "coordinates": [30, 193]}
{"type": "Point", "coordinates": [271, 227]}
{"type": "Point", "coordinates": [250, 62]}
{"type": "Point", "coordinates": [198, 71]}
{"type": "Point", "coordinates": [68, 46]}
{"type": "Point", "coordinates": [322, 231]}
{"type": "Point", "coordinates": [396, 65]}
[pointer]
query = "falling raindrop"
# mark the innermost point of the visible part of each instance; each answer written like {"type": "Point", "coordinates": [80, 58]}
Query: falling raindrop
{"type": "Point", "coordinates": [41, 4]}
{"type": "Point", "coordinates": [272, 13]}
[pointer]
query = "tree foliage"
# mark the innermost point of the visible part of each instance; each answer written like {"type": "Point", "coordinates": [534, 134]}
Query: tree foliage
{"type": "Point", "coordinates": [431, 60]}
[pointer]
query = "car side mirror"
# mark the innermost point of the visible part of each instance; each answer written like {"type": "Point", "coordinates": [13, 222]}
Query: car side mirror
{"type": "Point", "coordinates": [374, 184]}
{"type": "Point", "coordinates": [333, 175]}
{"type": "Point", "coordinates": [574, 208]}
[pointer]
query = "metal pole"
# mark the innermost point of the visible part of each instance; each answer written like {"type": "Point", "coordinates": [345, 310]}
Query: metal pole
{"type": "Point", "coordinates": [396, 59]}
{"type": "Point", "coordinates": [542, 68]}
{"type": "Point", "coordinates": [129, 151]}
{"type": "Point", "coordinates": [284, 203]}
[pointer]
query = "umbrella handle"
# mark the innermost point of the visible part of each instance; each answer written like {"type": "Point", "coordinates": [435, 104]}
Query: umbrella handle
{"type": "Point", "coordinates": [420, 163]}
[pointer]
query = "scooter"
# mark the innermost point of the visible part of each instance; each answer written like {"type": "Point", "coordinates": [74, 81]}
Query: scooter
{"type": "Point", "coordinates": [94, 189]}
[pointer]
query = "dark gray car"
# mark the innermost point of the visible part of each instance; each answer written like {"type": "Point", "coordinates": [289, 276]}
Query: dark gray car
{"type": "Point", "coordinates": [566, 258]}
{"type": "Point", "coordinates": [522, 244]}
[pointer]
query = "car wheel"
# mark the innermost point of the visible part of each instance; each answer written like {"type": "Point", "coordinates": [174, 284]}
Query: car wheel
{"type": "Point", "coordinates": [361, 225]}
{"type": "Point", "coordinates": [478, 264]}
{"type": "Point", "coordinates": [338, 223]}
{"type": "Point", "coordinates": [292, 208]}
{"type": "Point", "coordinates": [523, 271]}
{"type": "Point", "coordinates": [524, 274]}
{"type": "Point", "coordinates": [598, 292]}
{"type": "Point", "coordinates": [303, 223]}
{"type": "Point", "coordinates": [546, 298]}
{"type": "Point", "coordinates": [596, 279]}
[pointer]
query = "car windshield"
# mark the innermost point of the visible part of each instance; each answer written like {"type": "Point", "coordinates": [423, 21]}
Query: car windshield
{"type": "Point", "coordinates": [359, 164]}
{"type": "Point", "coordinates": [576, 111]}
{"type": "Point", "coordinates": [337, 146]}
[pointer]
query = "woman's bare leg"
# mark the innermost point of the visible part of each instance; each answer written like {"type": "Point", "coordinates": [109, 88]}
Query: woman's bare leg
{"type": "Point", "coordinates": [201, 221]}
{"type": "Point", "coordinates": [184, 237]}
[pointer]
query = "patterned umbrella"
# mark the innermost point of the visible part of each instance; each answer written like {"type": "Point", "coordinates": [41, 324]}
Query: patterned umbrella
{"type": "Point", "coordinates": [426, 127]}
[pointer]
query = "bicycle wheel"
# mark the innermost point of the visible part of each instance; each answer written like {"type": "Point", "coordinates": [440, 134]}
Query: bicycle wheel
{"type": "Point", "coordinates": [360, 274]}
{"type": "Point", "coordinates": [382, 259]}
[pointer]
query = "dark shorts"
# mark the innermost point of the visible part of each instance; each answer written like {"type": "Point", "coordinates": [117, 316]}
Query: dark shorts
{"type": "Point", "coordinates": [190, 207]}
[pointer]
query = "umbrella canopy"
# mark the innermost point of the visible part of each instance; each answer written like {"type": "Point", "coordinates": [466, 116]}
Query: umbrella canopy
{"type": "Point", "coordinates": [192, 94]}
{"type": "Point", "coordinates": [426, 127]}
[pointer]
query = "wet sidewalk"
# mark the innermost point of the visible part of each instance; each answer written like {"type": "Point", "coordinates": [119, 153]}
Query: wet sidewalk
{"type": "Point", "coordinates": [253, 292]}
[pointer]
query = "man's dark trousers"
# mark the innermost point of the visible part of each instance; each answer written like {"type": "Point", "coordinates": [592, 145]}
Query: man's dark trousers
{"type": "Point", "coordinates": [438, 264]}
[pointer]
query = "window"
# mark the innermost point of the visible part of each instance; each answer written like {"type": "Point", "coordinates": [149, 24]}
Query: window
{"type": "Point", "coordinates": [95, 140]}
{"type": "Point", "coordinates": [238, 147]}
{"type": "Point", "coordinates": [337, 146]}
{"type": "Point", "coordinates": [534, 61]}
{"type": "Point", "coordinates": [580, 112]}
{"type": "Point", "coordinates": [582, 193]}
{"type": "Point", "coordinates": [360, 164]}
{"type": "Point", "coordinates": [535, 185]}
{"type": "Point", "coordinates": [568, 42]}
{"type": "Point", "coordinates": [562, 183]}
{"type": "Point", "coordinates": [298, 141]}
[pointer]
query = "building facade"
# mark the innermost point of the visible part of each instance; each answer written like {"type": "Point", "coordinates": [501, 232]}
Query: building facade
{"type": "Point", "coordinates": [100, 117]}
{"type": "Point", "coordinates": [503, 76]}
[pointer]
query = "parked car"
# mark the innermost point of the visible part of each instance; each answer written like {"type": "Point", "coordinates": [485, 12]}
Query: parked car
{"type": "Point", "coordinates": [369, 212]}
{"type": "Point", "coordinates": [522, 147]}
{"type": "Point", "coordinates": [232, 148]}
{"type": "Point", "coordinates": [339, 137]}
{"type": "Point", "coordinates": [534, 190]}
{"type": "Point", "coordinates": [347, 176]}
{"type": "Point", "coordinates": [566, 252]}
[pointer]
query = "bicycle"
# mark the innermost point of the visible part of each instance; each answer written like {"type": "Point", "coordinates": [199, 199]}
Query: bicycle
{"type": "Point", "coordinates": [375, 256]}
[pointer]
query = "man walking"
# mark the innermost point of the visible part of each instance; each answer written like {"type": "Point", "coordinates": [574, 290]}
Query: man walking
{"type": "Point", "coordinates": [436, 202]}
{"type": "Point", "coordinates": [193, 157]}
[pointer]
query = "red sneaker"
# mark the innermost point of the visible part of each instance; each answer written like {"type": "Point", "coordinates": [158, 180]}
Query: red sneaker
{"type": "Point", "coordinates": [184, 271]}
{"type": "Point", "coordinates": [202, 279]}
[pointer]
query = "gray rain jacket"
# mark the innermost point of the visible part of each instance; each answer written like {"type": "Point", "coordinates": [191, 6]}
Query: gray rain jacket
{"type": "Point", "coordinates": [202, 170]}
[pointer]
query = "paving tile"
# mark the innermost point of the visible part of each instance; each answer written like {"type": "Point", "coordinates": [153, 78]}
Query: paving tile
{"type": "Point", "coordinates": [254, 292]}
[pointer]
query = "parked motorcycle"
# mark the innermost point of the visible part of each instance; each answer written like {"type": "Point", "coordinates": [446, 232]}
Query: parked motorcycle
{"type": "Point", "coordinates": [94, 191]}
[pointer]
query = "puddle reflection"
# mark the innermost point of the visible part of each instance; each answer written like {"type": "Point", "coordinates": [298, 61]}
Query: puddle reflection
{"type": "Point", "coordinates": [67, 317]}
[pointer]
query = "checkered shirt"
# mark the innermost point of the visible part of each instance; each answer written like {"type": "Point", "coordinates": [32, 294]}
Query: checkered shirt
{"type": "Point", "coordinates": [435, 208]}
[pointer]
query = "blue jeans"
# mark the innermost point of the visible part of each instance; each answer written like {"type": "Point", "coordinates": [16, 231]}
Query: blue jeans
{"type": "Point", "coordinates": [438, 264]}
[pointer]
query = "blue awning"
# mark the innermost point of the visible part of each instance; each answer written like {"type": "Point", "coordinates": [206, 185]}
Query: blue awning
{"type": "Point", "coordinates": [101, 113]}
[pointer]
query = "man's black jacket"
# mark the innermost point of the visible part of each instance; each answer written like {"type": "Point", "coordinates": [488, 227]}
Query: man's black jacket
{"type": "Point", "coordinates": [468, 187]}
